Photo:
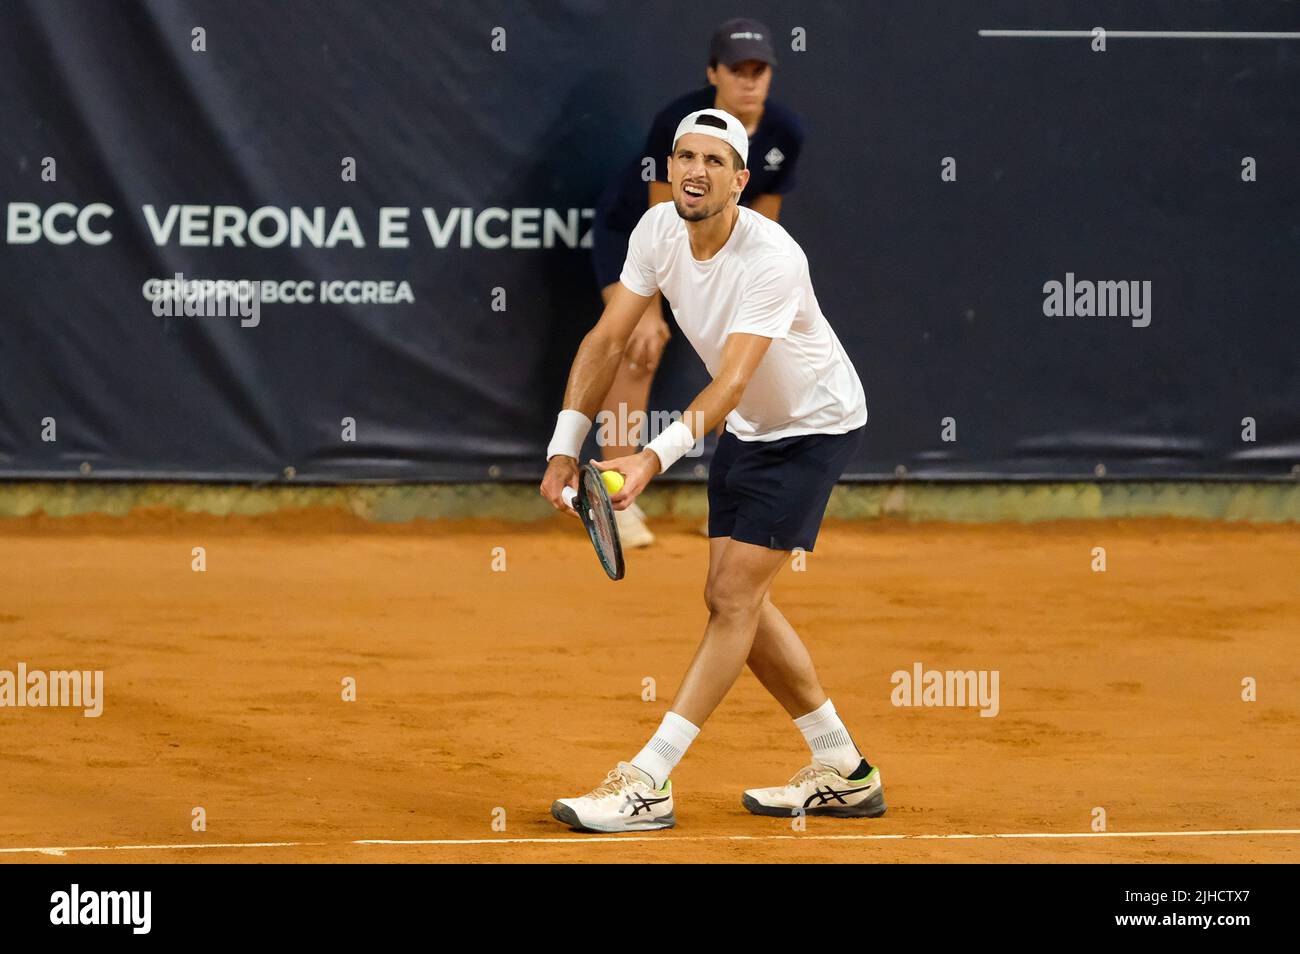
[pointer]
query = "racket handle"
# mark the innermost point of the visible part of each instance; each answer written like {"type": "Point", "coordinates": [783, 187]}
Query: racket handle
{"type": "Point", "coordinates": [568, 493]}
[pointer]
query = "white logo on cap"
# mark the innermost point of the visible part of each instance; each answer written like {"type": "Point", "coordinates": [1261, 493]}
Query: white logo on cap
{"type": "Point", "coordinates": [746, 36]}
{"type": "Point", "coordinates": [774, 159]}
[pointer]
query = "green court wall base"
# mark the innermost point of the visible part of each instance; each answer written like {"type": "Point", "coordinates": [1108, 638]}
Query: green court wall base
{"type": "Point", "coordinates": [970, 502]}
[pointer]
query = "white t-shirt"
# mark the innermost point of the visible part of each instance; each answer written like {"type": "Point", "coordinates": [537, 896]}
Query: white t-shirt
{"type": "Point", "coordinates": [758, 284]}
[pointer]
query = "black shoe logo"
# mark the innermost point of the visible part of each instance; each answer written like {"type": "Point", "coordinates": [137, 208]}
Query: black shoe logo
{"type": "Point", "coordinates": [830, 795]}
{"type": "Point", "coordinates": [641, 804]}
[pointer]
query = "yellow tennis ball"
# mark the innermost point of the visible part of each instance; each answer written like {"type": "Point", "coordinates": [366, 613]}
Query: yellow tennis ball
{"type": "Point", "coordinates": [612, 480]}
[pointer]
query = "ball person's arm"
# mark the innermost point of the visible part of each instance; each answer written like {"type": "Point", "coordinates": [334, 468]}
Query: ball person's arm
{"type": "Point", "coordinates": [768, 204]}
{"type": "Point", "coordinates": [590, 378]}
{"type": "Point", "coordinates": [741, 356]}
{"type": "Point", "coordinates": [646, 346]}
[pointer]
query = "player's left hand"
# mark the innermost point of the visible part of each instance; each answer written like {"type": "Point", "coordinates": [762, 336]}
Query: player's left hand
{"type": "Point", "coordinates": [637, 470]}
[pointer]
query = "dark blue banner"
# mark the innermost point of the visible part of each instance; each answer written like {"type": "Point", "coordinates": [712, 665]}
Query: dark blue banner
{"type": "Point", "coordinates": [1047, 256]}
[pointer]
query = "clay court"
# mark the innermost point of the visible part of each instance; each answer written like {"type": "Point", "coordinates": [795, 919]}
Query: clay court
{"type": "Point", "coordinates": [479, 689]}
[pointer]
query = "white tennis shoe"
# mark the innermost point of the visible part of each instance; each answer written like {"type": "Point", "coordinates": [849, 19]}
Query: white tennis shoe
{"type": "Point", "coordinates": [818, 790]}
{"type": "Point", "coordinates": [632, 530]}
{"type": "Point", "coordinates": [626, 801]}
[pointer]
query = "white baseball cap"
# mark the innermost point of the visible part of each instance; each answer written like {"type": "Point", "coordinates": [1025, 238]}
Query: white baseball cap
{"type": "Point", "coordinates": [719, 124]}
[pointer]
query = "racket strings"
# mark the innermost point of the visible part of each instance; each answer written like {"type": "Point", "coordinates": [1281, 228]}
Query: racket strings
{"type": "Point", "coordinates": [601, 517]}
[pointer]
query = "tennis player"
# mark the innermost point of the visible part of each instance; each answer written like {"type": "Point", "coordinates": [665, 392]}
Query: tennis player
{"type": "Point", "coordinates": [795, 415]}
{"type": "Point", "coordinates": [741, 62]}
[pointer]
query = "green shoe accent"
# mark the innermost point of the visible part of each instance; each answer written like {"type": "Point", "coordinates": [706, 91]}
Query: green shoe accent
{"type": "Point", "coordinates": [875, 770]}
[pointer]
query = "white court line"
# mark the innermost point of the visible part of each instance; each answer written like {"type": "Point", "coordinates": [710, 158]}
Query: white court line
{"type": "Point", "coordinates": [1147, 34]}
{"type": "Point", "coordinates": [955, 837]}
{"type": "Point", "coordinates": [666, 839]}
{"type": "Point", "coordinates": [242, 844]}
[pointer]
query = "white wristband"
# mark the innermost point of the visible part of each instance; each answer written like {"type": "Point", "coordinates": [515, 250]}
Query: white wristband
{"type": "Point", "coordinates": [571, 429]}
{"type": "Point", "coordinates": [672, 444]}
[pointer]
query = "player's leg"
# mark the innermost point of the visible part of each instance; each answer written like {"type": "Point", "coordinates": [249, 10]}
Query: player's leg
{"type": "Point", "coordinates": [779, 494]}
{"type": "Point", "coordinates": [778, 657]}
{"type": "Point", "coordinates": [782, 663]}
{"type": "Point", "coordinates": [735, 599]}
{"type": "Point", "coordinates": [839, 781]}
{"type": "Point", "coordinates": [737, 588]}
{"type": "Point", "coordinates": [637, 795]}
{"type": "Point", "coordinates": [758, 496]}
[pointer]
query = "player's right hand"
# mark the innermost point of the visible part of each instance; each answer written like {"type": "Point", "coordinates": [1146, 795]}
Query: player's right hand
{"type": "Point", "coordinates": [561, 472]}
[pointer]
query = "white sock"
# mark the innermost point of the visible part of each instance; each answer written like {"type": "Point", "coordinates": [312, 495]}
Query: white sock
{"type": "Point", "coordinates": [829, 739]}
{"type": "Point", "coordinates": [666, 748]}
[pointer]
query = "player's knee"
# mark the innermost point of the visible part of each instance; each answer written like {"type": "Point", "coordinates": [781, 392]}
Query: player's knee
{"type": "Point", "coordinates": [729, 599]}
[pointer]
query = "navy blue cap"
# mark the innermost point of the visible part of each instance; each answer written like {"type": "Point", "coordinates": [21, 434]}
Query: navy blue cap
{"type": "Point", "coordinates": [742, 39]}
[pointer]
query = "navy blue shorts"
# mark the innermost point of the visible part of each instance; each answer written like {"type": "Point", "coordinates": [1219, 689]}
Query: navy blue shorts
{"type": "Point", "coordinates": [774, 493]}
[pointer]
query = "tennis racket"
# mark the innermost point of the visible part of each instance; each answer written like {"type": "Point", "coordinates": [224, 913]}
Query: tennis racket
{"type": "Point", "coordinates": [591, 501]}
